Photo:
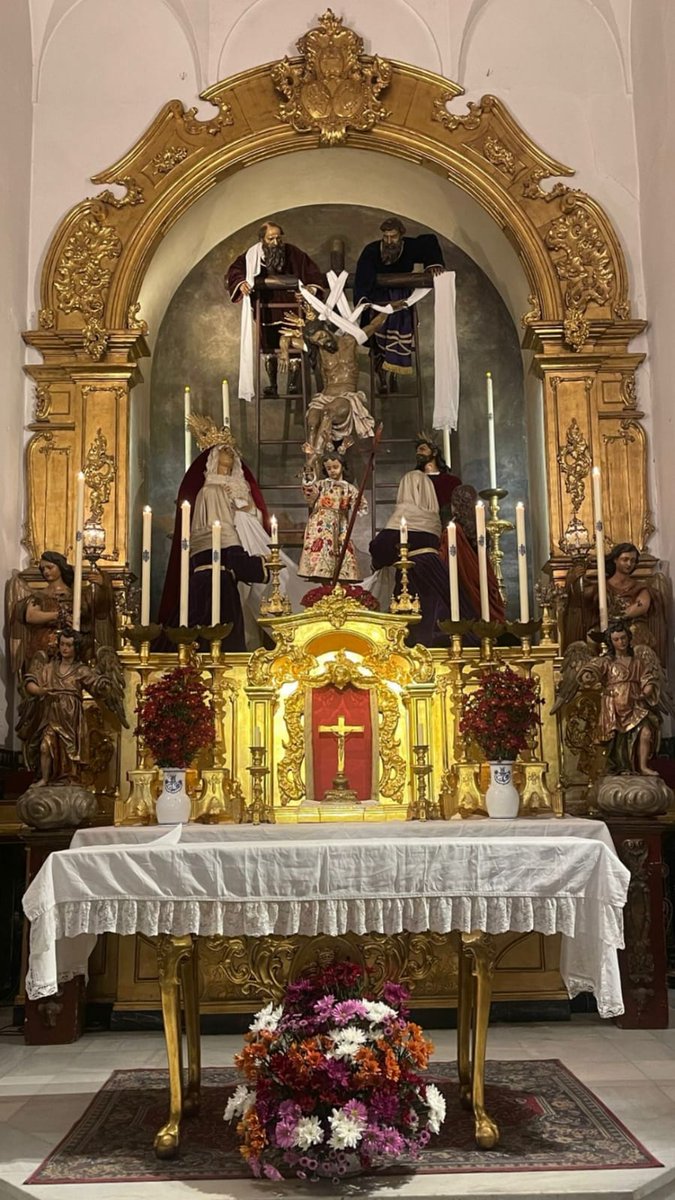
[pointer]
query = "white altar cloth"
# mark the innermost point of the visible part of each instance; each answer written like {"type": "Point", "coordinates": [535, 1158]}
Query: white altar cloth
{"type": "Point", "coordinates": [548, 875]}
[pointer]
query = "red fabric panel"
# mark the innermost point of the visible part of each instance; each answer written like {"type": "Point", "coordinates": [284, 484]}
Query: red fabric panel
{"type": "Point", "coordinates": [328, 704]}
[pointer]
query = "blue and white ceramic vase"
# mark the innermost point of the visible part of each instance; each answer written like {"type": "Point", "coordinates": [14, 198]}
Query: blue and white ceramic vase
{"type": "Point", "coordinates": [502, 799]}
{"type": "Point", "coordinates": [173, 803]}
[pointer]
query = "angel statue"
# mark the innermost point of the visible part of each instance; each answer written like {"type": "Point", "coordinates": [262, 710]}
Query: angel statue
{"type": "Point", "coordinates": [36, 613]}
{"type": "Point", "coordinates": [633, 697]}
{"type": "Point", "coordinates": [52, 723]}
{"type": "Point", "coordinates": [642, 602]}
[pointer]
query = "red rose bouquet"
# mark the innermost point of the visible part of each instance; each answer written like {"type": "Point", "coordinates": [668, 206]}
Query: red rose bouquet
{"type": "Point", "coordinates": [175, 718]}
{"type": "Point", "coordinates": [351, 590]}
{"type": "Point", "coordinates": [501, 713]}
{"type": "Point", "coordinates": [333, 1080]}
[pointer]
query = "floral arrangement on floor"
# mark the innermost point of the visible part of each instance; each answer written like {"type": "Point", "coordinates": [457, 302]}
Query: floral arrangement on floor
{"type": "Point", "coordinates": [351, 590]}
{"type": "Point", "coordinates": [175, 718]}
{"type": "Point", "coordinates": [501, 713]}
{"type": "Point", "coordinates": [333, 1081]}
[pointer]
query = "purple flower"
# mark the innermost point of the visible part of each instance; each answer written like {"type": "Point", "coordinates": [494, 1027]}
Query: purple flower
{"type": "Point", "coordinates": [345, 1011]}
{"type": "Point", "coordinates": [383, 1106]}
{"type": "Point", "coordinates": [355, 1109]}
{"type": "Point", "coordinates": [323, 1008]}
{"type": "Point", "coordinates": [396, 996]}
{"type": "Point", "coordinates": [271, 1172]}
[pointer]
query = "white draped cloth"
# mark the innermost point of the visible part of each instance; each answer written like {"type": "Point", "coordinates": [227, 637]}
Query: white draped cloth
{"type": "Point", "coordinates": [552, 876]}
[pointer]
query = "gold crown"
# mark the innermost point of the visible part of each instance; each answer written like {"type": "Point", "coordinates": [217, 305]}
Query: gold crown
{"type": "Point", "coordinates": [207, 434]}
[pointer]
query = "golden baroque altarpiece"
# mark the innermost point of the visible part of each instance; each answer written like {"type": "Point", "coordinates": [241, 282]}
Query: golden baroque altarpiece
{"type": "Point", "coordinates": [91, 338]}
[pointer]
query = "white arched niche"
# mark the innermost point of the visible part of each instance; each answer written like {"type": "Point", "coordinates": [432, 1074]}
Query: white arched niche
{"type": "Point", "coordinates": [336, 176]}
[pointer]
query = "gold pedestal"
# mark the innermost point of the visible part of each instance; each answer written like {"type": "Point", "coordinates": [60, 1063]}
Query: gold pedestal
{"type": "Point", "coordinates": [340, 791]}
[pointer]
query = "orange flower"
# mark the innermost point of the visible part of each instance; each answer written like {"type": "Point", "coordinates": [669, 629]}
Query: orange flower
{"type": "Point", "coordinates": [250, 1058]}
{"type": "Point", "coordinates": [391, 1068]}
{"type": "Point", "coordinates": [250, 1129]}
{"type": "Point", "coordinates": [368, 1071]}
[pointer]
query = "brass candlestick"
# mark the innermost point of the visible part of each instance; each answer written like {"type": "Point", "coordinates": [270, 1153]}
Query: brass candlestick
{"type": "Point", "coordinates": [524, 631]}
{"type": "Point", "coordinates": [548, 597]}
{"type": "Point", "coordinates": [496, 527]}
{"type": "Point", "coordinates": [404, 603]}
{"type": "Point", "coordinates": [275, 605]}
{"type": "Point", "coordinates": [259, 812]}
{"type": "Point", "coordinates": [426, 808]}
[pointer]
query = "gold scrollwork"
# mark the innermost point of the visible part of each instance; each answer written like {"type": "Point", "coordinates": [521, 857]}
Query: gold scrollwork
{"type": "Point", "coordinates": [336, 87]}
{"type": "Point", "coordinates": [581, 255]}
{"type": "Point", "coordinates": [468, 120]}
{"type": "Point", "coordinates": [134, 321]}
{"type": "Point", "coordinates": [341, 672]}
{"type": "Point", "coordinates": [629, 390]}
{"type": "Point", "coordinates": [534, 313]}
{"type": "Point", "coordinates": [133, 194]}
{"type": "Point", "coordinates": [46, 318]}
{"type": "Point", "coordinates": [82, 277]}
{"type": "Point", "coordinates": [167, 159]}
{"type": "Point", "coordinates": [532, 189]}
{"type": "Point", "coordinates": [95, 339]}
{"type": "Point", "coordinates": [43, 402]}
{"type": "Point", "coordinates": [99, 472]}
{"type": "Point", "coordinates": [499, 155]}
{"type": "Point", "coordinates": [623, 433]}
{"type": "Point", "coordinates": [648, 528]}
{"type": "Point", "coordinates": [211, 126]}
{"type": "Point", "coordinates": [575, 462]}
{"type": "Point", "coordinates": [576, 329]}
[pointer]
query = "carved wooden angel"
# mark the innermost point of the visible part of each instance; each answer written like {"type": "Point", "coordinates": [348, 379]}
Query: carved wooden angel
{"type": "Point", "coordinates": [633, 697]}
{"type": "Point", "coordinates": [52, 721]}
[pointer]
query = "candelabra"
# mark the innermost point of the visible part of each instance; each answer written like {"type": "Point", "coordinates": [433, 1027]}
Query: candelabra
{"type": "Point", "coordinates": [404, 603]}
{"type": "Point", "coordinates": [548, 597]}
{"type": "Point", "coordinates": [424, 806]}
{"type": "Point", "coordinates": [139, 807]}
{"type": "Point", "coordinates": [259, 811]}
{"type": "Point", "coordinates": [496, 527]}
{"type": "Point", "coordinates": [524, 630]}
{"type": "Point", "coordinates": [221, 798]}
{"type": "Point", "coordinates": [275, 605]}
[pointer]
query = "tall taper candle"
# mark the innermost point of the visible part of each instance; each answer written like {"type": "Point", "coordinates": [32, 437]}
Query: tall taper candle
{"type": "Point", "coordinates": [482, 562]}
{"type": "Point", "coordinates": [215, 573]}
{"type": "Point", "coordinates": [447, 453]}
{"type": "Point", "coordinates": [491, 431]}
{"type": "Point", "coordinates": [184, 562]}
{"type": "Point", "coordinates": [146, 552]}
{"type": "Point", "coordinates": [403, 532]}
{"type": "Point", "coordinates": [452, 570]}
{"type": "Point", "coordinates": [79, 547]}
{"type": "Point", "coordinates": [226, 403]}
{"type": "Point", "coordinates": [188, 435]}
{"type": "Point", "coordinates": [521, 547]}
{"type": "Point", "coordinates": [600, 546]}
{"type": "Point", "coordinates": [274, 531]}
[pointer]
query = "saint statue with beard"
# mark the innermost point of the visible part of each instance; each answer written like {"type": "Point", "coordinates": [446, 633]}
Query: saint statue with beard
{"type": "Point", "coordinates": [269, 256]}
{"type": "Point", "coordinates": [394, 254]}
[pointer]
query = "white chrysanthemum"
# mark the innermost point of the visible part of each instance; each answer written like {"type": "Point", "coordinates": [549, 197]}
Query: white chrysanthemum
{"type": "Point", "coordinates": [346, 1129]}
{"type": "Point", "coordinates": [308, 1132]}
{"type": "Point", "coordinates": [346, 1042]}
{"type": "Point", "coordinates": [267, 1019]}
{"type": "Point", "coordinates": [239, 1102]}
{"type": "Point", "coordinates": [377, 1011]}
{"type": "Point", "coordinates": [436, 1103]}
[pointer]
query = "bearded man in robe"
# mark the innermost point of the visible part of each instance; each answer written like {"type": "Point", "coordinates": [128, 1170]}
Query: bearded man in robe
{"type": "Point", "coordinates": [394, 254]}
{"type": "Point", "coordinates": [269, 256]}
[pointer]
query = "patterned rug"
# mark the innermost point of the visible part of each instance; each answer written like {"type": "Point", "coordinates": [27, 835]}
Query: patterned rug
{"type": "Point", "coordinates": [548, 1121]}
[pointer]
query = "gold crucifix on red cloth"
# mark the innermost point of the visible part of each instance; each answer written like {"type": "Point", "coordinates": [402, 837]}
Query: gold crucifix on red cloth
{"type": "Point", "coordinates": [340, 789]}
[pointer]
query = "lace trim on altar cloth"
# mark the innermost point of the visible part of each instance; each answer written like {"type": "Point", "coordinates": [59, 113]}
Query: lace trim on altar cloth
{"type": "Point", "coordinates": [591, 933]}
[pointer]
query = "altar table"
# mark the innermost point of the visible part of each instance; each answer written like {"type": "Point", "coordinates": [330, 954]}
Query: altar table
{"type": "Point", "coordinates": [476, 878]}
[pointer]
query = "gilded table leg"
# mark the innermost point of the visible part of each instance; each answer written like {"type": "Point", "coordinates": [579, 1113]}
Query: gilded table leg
{"type": "Point", "coordinates": [189, 970]}
{"type": "Point", "coordinates": [480, 947]}
{"type": "Point", "coordinates": [464, 1006]}
{"type": "Point", "coordinates": [172, 952]}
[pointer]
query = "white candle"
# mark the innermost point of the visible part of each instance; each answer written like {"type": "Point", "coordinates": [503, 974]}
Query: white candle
{"type": "Point", "coordinates": [188, 435]}
{"type": "Point", "coordinates": [452, 569]}
{"type": "Point", "coordinates": [600, 545]}
{"type": "Point", "coordinates": [257, 736]}
{"type": "Point", "coordinates": [215, 573]}
{"type": "Point", "coordinates": [184, 562]}
{"type": "Point", "coordinates": [146, 552]}
{"type": "Point", "coordinates": [420, 731]}
{"type": "Point", "coordinates": [491, 432]}
{"type": "Point", "coordinates": [521, 546]}
{"type": "Point", "coordinates": [79, 546]}
{"type": "Point", "coordinates": [482, 562]}
{"type": "Point", "coordinates": [226, 403]}
{"type": "Point", "coordinates": [403, 532]}
{"type": "Point", "coordinates": [447, 454]}
{"type": "Point", "coordinates": [274, 530]}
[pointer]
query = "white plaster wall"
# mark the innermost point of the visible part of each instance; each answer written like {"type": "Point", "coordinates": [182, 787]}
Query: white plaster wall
{"type": "Point", "coordinates": [653, 47]}
{"type": "Point", "coordinates": [15, 151]}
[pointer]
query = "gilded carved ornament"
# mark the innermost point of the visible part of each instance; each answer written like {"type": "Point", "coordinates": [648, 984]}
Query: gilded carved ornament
{"type": "Point", "coordinates": [499, 155]}
{"type": "Point", "coordinates": [132, 195]}
{"type": "Point", "coordinates": [575, 462]}
{"type": "Point", "coordinates": [341, 672]}
{"type": "Point", "coordinates": [43, 402]}
{"type": "Point", "coordinates": [99, 470]}
{"type": "Point", "coordinates": [165, 160]}
{"type": "Point", "coordinates": [134, 320]}
{"type": "Point", "coordinates": [336, 87]}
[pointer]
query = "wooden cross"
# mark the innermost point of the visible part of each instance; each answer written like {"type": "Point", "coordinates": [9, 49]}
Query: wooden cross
{"type": "Point", "coordinates": [341, 731]}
